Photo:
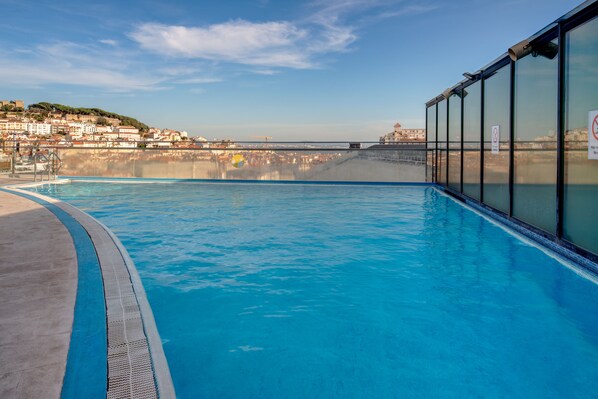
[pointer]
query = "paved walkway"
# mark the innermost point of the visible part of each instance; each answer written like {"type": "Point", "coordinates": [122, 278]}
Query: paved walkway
{"type": "Point", "coordinates": [5, 179]}
{"type": "Point", "coordinates": [38, 283]}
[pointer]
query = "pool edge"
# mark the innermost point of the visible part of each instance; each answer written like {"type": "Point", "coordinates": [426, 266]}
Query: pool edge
{"type": "Point", "coordinates": [578, 263]}
{"type": "Point", "coordinates": [160, 369]}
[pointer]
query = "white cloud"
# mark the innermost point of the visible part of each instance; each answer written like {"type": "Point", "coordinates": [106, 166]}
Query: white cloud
{"type": "Point", "coordinates": [199, 80]}
{"type": "Point", "coordinates": [239, 41]}
{"type": "Point", "coordinates": [109, 42]}
{"type": "Point", "coordinates": [267, 72]}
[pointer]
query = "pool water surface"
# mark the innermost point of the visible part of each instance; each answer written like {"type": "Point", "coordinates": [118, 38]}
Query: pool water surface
{"type": "Point", "coordinates": [323, 291]}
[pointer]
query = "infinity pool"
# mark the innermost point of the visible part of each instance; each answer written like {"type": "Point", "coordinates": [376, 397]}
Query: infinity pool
{"type": "Point", "coordinates": [324, 291]}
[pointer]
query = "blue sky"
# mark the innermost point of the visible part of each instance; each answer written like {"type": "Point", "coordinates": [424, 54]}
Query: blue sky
{"type": "Point", "coordinates": [293, 70]}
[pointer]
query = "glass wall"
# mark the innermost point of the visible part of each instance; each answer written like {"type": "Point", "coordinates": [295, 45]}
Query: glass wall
{"type": "Point", "coordinates": [431, 143]}
{"type": "Point", "coordinates": [497, 100]}
{"type": "Point", "coordinates": [471, 139]}
{"type": "Point", "coordinates": [442, 161]}
{"type": "Point", "coordinates": [535, 125]}
{"type": "Point", "coordinates": [454, 142]}
{"type": "Point", "coordinates": [581, 174]}
{"type": "Point", "coordinates": [378, 164]}
{"type": "Point", "coordinates": [551, 105]}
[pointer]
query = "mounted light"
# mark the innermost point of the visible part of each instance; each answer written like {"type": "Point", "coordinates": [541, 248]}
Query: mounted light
{"type": "Point", "coordinates": [447, 93]}
{"type": "Point", "coordinates": [472, 76]}
{"type": "Point", "coordinates": [520, 50]}
{"type": "Point", "coordinates": [548, 50]}
{"type": "Point", "coordinates": [463, 93]}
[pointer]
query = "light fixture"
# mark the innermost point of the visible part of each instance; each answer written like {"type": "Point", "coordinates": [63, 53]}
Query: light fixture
{"type": "Point", "coordinates": [520, 50]}
{"type": "Point", "coordinates": [548, 50]}
{"type": "Point", "coordinates": [472, 76]}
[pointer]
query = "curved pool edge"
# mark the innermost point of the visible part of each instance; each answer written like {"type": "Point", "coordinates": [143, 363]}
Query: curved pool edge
{"type": "Point", "coordinates": [135, 368]}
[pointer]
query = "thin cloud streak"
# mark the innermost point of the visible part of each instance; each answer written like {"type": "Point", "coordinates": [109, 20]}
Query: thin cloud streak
{"type": "Point", "coordinates": [110, 69]}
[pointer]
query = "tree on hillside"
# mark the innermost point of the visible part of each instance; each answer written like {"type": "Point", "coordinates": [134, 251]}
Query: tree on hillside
{"type": "Point", "coordinates": [125, 120]}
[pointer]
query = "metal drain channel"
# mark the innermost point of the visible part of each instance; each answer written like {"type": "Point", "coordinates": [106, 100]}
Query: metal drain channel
{"type": "Point", "coordinates": [137, 366]}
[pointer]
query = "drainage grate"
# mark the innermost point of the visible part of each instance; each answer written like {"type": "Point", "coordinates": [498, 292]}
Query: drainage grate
{"type": "Point", "coordinates": [130, 370]}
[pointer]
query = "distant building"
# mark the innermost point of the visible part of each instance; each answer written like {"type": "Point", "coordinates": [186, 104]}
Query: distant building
{"type": "Point", "coordinates": [170, 135]}
{"type": "Point", "coordinates": [129, 133]}
{"type": "Point", "coordinates": [60, 128]}
{"type": "Point", "coordinates": [104, 129]}
{"type": "Point", "coordinates": [153, 133]}
{"type": "Point", "coordinates": [12, 104]}
{"type": "Point", "coordinates": [400, 135]}
{"type": "Point", "coordinates": [127, 129]}
{"type": "Point", "coordinates": [39, 129]}
{"type": "Point", "coordinates": [80, 128]}
{"type": "Point", "coordinates": [15, 126]}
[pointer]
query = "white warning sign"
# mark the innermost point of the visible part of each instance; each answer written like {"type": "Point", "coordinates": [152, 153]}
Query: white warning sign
{"type": "Point", "coordinates": [593, 135]}
{"type": "Point", "coordinates": [495, 139]}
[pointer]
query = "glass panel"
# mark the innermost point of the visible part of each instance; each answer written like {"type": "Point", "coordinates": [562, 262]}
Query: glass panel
{"type": "Point", "coordinates": [454, 142]}
{"type": "Point", "coordinates": [321, 163]}
{"type": "Point", "coordinates": [581, 174]}
{"type": "Point", "coordinates": [442, 142]}
{"type": "Point", "coordinates": [471, 140]}
{"type": "Point", "coordinates": [496, 119]}
{"type": "Point", "coordinates": [431, 143]}
{"type": "Point", "coordinates": [534, 188]}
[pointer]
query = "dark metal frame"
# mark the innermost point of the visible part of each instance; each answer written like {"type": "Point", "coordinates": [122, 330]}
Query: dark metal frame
{"type": "Point", "coordinates": [560, 128]}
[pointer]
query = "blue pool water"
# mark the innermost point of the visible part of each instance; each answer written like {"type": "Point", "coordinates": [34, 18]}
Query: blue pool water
{"type": "Point", "coordinates": [309, 291]}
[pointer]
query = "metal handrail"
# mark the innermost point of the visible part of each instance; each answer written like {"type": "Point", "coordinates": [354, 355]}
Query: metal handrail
{"type": "Point", "coordinates": [36, 157]}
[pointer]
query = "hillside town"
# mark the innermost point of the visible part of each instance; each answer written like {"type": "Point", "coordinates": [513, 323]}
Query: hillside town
{"type": "Point", "coordinates": [73, 130]}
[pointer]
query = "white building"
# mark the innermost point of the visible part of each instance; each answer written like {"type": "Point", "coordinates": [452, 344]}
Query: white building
{"type": "Point", "coordinates": [104, 129]}
{"type": "Point", "coordinates": [127, 129]}
{"type": "Point", "coordinates": [14, 126]}
{"type": "Point", "coordinates": [39, 129]}
{"type": "Point", "coordinates": [80, 128]}
{"type": "Point", "coordinates": [129, 133]}
{"type": "Point", "coordinates": [399, 135]}
{"type": "Point", "coordinates": [60, 128]}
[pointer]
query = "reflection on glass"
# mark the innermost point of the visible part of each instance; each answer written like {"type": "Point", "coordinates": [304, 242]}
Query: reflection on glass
{"type": "Point", "coordinates": [471, 140]}
{"type": "Point", "coordinates": [431, 142]}
{"type": "Point", "coordinates": [581, 174]}
{"type": "Point", "coordinates": [454, 142]}
{"type": "Point", "coordinates": [401, 165]}
{"type": "Point", "coordinates": [496, 114]}
{"type": "Point", "coordinates": [442, 142]}
{"type": "Point", "coordinates": [534, 188]}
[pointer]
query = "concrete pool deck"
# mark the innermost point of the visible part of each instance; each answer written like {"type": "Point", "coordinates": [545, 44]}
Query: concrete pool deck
{"type": "Point", "coordinates": [38, 283]}
{"type": "Point", "coordinates": [38, 294]}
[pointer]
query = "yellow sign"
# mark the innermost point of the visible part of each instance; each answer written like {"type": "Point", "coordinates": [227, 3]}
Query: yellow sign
{"type": "Point", "coordinates": [238, 160]}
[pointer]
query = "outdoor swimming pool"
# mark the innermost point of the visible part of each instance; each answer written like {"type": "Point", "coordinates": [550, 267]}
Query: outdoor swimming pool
{"type": "Point", "coordinates": [290, 290]}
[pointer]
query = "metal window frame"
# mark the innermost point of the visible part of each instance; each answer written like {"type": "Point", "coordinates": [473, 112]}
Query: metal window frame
{"type": "Point", "coordinates": [558, 29]}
